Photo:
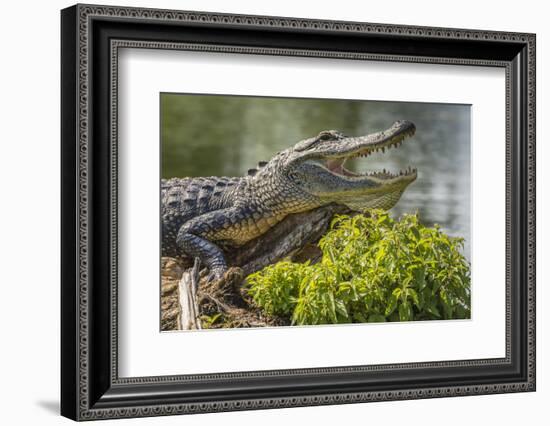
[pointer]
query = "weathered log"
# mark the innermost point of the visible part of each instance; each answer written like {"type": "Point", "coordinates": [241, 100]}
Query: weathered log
{"type": "Point", "coordinates": [188, 290]}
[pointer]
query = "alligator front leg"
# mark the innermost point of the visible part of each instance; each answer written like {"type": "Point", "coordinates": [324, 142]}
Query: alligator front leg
{"type": "Point", "coordinates": [195, 238]}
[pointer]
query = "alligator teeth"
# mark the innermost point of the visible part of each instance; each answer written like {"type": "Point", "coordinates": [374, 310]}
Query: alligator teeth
{"type": "Point", "coordinates": [395, 142]}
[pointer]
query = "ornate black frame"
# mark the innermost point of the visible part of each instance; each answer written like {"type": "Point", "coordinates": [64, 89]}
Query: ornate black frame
{"type": "Point", "coordinates": [91, 37]}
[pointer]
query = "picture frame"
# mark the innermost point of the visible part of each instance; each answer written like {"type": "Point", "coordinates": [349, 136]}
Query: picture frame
{"type": "Point", "coordinates": [91, 37]}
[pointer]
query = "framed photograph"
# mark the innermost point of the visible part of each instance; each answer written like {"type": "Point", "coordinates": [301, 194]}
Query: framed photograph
{"type": "Point", "coordinates": [263, 212]}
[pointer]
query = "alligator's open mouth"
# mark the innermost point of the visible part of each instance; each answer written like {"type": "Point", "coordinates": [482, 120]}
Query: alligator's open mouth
{"type": "Point", "coordinates": [365, 146]}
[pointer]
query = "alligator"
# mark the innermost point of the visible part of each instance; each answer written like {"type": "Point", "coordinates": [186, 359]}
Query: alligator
{"type": "Point", "coordinates": [202, 216]}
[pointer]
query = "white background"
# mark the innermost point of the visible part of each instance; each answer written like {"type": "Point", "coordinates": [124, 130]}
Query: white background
{"type": "Point", "coordinates": [140, 343]}
{"type": "Point", "coordinates": [29, 233]}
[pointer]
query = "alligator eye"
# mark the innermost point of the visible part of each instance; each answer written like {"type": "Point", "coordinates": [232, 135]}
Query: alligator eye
{"type": "Point", "coordinates": [294, 177]}
{"type": "Point", "coordinates": [325, 136]}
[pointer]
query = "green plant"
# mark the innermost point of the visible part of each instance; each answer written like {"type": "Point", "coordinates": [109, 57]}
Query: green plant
{"type": "Point", "coordinates": [373, 269]}
{"type": "Point", "coordinates": [207, 321]}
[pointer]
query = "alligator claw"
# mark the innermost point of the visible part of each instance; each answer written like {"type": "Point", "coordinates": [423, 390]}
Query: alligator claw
{"type": "Point", "coordinates": [215, 275]}
{"type": "Point", "coordinates": [232, 276]}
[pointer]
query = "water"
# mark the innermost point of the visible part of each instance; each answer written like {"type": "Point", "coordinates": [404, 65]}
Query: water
{"type": "Point", "coordinates": [227, 135]}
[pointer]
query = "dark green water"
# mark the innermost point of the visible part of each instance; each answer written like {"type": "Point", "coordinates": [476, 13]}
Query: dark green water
{"type": "Point", "coordinates": [227, 135]}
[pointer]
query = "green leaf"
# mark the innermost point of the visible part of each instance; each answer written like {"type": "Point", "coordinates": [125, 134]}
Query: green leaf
{"type": "Point", "coordinates": [359, 317]}
{"type": "Point", "coordinates": [377, 318]}
{"type": "Point", "coordinates": [405, 312]}
{"type": "Point", "coordinates": [432, 309]}
{"type": "Point", "coordinates": [396, 292]}
{"type": "Point", "coordinates": [414, 296]}
{"type": "Point", "coordinates": [392, 305]}
{"type": "Point", "coordinates": [341, 308]}
{"type": "Point", "coordinates": [381, 253]}
{"type": "Point", "coordinates": [420, 277]}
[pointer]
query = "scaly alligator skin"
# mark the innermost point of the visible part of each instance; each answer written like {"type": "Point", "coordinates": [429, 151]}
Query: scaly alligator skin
{"type": "Point", "coordinates": [201, 215]}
